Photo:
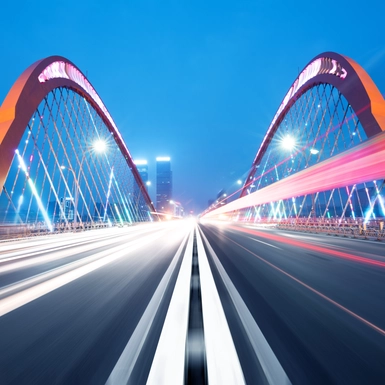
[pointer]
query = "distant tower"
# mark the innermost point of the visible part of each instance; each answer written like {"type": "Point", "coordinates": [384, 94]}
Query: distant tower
{"type": "Point", "coordinates": [142, 167]}
{"type": "Point", "coordinates": [163, 184]}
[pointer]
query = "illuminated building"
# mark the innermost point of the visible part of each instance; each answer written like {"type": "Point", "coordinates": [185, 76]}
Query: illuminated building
{"type": "Point", "coordinates": [142, 167]}
{"type": "Point", "coordinates": [163, 184]}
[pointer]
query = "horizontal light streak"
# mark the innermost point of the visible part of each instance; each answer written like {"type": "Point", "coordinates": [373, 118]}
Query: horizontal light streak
{"type": "Point", "coordinates": [365, 162]}
{"type": "Point", "coordinates": [64, 251]}
{"type": "Point", "coordinates": [35, 246]}
{"type": "Point", "coordinates": [59, 277]}
{"type": "Point", "coordinates": [309, 246]}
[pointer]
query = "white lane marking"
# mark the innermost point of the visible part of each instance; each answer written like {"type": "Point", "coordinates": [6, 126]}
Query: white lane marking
{"type": "Point", "coordinates": [103, 258]}
{"type": "Point", "coordinates": [121, 373]}
{"type": "Point", "coordinates": [270, 365]}
{"type": "Point", "coordinates": [265, 243]}
{"type": "Point", "coordinates": [169, 360]}
{"type": "Point", "coordinates": [223, 366]}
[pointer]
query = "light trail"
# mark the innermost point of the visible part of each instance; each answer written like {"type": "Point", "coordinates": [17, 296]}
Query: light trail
{"type": "Point", "coordinates": [62, 276]}
{"type": "Point", "coordinates": [328, 299]}
{"type": "Point", "coordinates": [304, 245]}
{"type": "Point", "coordinates": [365, 162]}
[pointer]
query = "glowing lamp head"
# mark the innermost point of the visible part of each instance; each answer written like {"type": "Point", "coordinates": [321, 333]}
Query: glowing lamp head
{"type": "Point", "coordinates": [100, 146]}
{"type": "Point", "coordinates": [288, 142]}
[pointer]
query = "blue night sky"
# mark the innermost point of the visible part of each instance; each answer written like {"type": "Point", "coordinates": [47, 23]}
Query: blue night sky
{"type": "Point", "coordinates": [198, 81]}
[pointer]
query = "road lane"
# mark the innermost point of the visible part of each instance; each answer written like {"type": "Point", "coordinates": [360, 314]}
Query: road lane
{"type": "Point", "coordinates": [76, 333]}
{"type": "Point", "coordinates": [315, 341]}
{"type": "Point", "coordinates": [306, 310]}
{"type": "Point", "coordinates": [23, 259]}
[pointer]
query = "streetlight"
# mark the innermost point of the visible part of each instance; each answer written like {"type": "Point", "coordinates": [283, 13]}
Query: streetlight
{"type": "Point", "coordinates": [288, 142]}
{"type": "Point", "coordinates": [98, 146]}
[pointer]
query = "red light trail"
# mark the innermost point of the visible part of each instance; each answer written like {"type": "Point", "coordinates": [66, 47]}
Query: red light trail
{"type": "Point", "coordinates": [333, 252]}
{"type": "Point", "coordinates": [365, 162]}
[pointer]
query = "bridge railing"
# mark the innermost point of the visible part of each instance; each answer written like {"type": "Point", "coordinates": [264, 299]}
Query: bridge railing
{"type": "Point", "coordinates": [352, 230]}
{"type": "Point", "coordinates": [40, 228]}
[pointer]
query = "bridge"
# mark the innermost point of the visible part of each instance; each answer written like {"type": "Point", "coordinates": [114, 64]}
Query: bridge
{"type": "Point", "coordinates": [279, 283]}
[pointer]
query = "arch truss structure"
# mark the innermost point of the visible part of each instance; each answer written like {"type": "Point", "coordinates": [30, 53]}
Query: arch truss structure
{"type": "Point", "coordinates": [323, 156]}
{"type": "Point", "coordinates": [63, 162]}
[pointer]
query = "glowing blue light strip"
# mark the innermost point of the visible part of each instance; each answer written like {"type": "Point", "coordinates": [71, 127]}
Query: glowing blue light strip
{"type": "Point", "coordinates": [53, 188]}
{"type": "Point", "coordinates": [276, 171]}
{"type": "Point", "coordinates": [380, 198]}
{"type": "Point", "coordinates": [370, 211]}
{"type": "Point", "coordinates": [120, 217]}
{"type": "Point", "coordinates": [108, 194]}
{"type": "Point", "coordinates": [130, 215]}
{"type": "Point", "coordinates": [34, 191]}
{"type": "Point", "coordinates": [122, 199]}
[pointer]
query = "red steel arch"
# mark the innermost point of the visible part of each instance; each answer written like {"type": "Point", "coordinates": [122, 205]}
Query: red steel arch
{"type": "Point", "coordinates": [27, 93]}
{"type": "Point", "coordinates": [351, 80]}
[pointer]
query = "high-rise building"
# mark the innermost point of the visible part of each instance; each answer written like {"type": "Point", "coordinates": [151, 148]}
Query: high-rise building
{"type": "Point", "coordinates": [163, 184]}
{"type": "Point", "coordinates": [142, 167]}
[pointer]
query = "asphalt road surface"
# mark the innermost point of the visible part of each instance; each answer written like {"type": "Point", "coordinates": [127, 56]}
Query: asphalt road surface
{"type": "Point", "coordinates": [179, 302]}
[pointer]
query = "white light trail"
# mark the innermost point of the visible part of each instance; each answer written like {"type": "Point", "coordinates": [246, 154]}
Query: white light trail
{"type": "Point", "coordinates": [34, 191]}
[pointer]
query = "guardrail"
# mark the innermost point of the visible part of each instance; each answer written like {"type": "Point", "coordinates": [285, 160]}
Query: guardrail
{"type": "Point", "coordinates": [25, 231]}
{"type": "Point", "coordinates": [343, 230]}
